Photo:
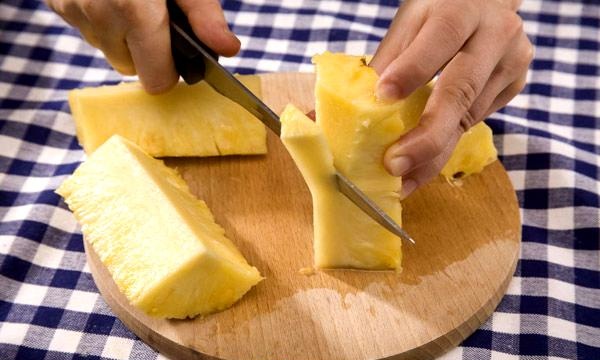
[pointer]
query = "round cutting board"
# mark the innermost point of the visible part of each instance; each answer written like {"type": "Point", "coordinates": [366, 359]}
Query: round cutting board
{"type": "Point", "coordinates": [468, 239]}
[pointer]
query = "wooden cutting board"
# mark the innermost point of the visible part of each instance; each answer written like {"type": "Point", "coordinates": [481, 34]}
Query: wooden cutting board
{"type": "Point", "coordinates": [468, 239]}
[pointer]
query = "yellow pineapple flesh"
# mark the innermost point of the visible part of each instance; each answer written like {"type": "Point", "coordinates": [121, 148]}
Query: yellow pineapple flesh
{"type": "Point", "coordinates": [357, 129]}
{"type": "Point", "coordinates": [160, 244]}
{"type": "Point", "coordinates": [343, 235]}
{"type": "Point", "coordinates": [186, 121]}
{"type": "Point", "coordinates": [474, 151]}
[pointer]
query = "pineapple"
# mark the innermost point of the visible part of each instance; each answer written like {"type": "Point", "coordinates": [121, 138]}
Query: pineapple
{"type": "Point", "coordinates": [352, 132]}
{"type": "Point", "coordinates": [474, 151]}
{"type": "Point", "coordinates": [187, 121]}
{"type": "Point", "coordinates": [160, 244]}
{"type": "Point", "coordinates": [358, 129]}
{"type": "Point", "coordinates": [343, 235]}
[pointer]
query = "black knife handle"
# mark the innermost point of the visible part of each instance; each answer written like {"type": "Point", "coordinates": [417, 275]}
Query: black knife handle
{"type": "Point", "coordinates": [188, 58]}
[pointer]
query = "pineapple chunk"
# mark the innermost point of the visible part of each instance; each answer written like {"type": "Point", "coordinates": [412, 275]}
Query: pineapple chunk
{"type": "Point", "coordinates": [160, 244]}
{"type": "Point", "coordinates": [475, 150]}
{"type": "Point", "coordinates": [352, 132]}
{"type": "Point", "coordinates": [343, 235]}
{"type": "Point", "coordinates": [187, 121]}
{"type": "Point", "coordinates": [359, 128]}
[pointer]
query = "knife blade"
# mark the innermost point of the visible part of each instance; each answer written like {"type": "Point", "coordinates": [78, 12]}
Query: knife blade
{"type": "Point", "coordinates": [195, 61]}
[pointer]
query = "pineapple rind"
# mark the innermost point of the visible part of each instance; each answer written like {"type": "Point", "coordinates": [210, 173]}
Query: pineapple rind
{"type": "Point", "coordinates": [187, 121]}
{"type": "Point", "coordinates": [149, 231]}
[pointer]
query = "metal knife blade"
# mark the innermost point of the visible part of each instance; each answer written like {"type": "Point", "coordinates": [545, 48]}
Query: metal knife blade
{"type": "Point", "coordinates": [194, 61]}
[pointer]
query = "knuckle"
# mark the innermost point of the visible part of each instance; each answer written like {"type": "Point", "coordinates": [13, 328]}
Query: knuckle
{"type": "Point", "coordinates": [529, 53]}
{"type": "Point", "coordinates": [511, 23]}
{"type": "Point", "coordinates": [124, 6]}
{"type": "Point", "coordinates": [462, 93]}
{"type": "Point", "coordinates": [467, 121]}
{"type": "Point", "coordinates": [451, 28]}
{"type": "Point", "coordinates": [433, 144]}
{"type": "Point", "coordinates": [516, 63]}
{"type": "Point", "coordinates": [409, 72]}
{"type": "Point", "coordinates": [131, 11]}
{"type": "Point", "coordinates": [521, 59]}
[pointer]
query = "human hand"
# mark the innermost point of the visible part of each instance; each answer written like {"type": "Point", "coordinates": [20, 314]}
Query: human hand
{"type": "Point", "coordinates": [134, 34]}
{"type": "Point", "coordinates": [484, 54]}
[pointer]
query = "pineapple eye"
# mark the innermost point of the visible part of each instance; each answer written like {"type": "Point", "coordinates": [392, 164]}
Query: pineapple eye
{"type": "Point", "coordinates": [363, 61]}
{"type": "Point", "coordinates": [458, 175]}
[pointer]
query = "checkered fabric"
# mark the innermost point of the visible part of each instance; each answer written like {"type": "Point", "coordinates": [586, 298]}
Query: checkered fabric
{"type": "Point", "coordinates": [548, 139]}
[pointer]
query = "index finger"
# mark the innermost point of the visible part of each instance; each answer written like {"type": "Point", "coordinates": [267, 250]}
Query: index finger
{"type": "Point", "coordinates": [448, 111]}
{"type": "Point", "coordinates": [440, 38]}
{"type": "Point", "coordinates": [149, 44]}
{"type": "Point", "coordinates": [209, 24]}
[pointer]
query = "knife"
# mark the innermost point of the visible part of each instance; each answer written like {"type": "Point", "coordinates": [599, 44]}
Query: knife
{"type": "Point", "coordinates": [194, 61]}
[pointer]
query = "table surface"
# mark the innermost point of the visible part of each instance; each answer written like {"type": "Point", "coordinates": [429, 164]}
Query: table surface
{"type": "Point", "coordinates": [548, 139]}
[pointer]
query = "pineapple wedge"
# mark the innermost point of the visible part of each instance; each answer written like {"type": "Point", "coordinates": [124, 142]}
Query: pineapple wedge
{"type": "Point", "coordinates": [343, 235]}
{"type": "Point", "coordinates": [187, 121]}
{"type": "Point", "coordinates": [357, 129]}
{"type": "Point", "coordinates": [160, 244]}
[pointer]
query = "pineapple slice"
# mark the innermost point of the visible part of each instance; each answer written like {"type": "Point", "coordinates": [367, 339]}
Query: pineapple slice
{"type": "Point", "coordinates": [160, 244]}
{"type": "Point", "coordinates": [187, 121]}
{"type": "Point", "coordinates": [343, 235]}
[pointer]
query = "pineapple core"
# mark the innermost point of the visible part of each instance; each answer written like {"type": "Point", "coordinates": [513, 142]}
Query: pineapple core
{"type": "Point", "coordinates": [160, 244]}
{"type": "Point", "coordinates": [352, 132]}
{"type": "Point", "coordinates": [187, 121]}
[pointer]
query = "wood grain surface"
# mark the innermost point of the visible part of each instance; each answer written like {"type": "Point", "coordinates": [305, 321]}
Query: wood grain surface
{"type": "Point", "coordinates": [468, 239]}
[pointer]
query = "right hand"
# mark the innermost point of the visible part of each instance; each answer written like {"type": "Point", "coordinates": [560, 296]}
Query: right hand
{"type": "Point", "coordinates": [134, 34]}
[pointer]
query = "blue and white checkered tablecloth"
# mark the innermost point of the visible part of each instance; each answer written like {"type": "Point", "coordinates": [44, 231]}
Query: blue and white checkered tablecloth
{"type": "Point", "coordinates": [548, 139]}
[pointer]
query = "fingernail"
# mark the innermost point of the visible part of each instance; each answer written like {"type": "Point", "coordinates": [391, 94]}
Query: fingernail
{"type": "Point", "coordinates": [388, 91]}
{"type": "Point", "coordinates": [408, 186]}
{"type": "Point", "coordinates": [400, 165]}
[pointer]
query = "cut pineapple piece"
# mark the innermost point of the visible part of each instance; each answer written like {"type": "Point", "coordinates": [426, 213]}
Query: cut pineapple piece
{"type": "Point", "coordinates": [343, 235]}
{"type": "Point", "coordinates": [187, 121]}
{"type": "Point", "coordinates": [160, 244]}
{"type": "Point", "coordinates": [475, 150]}
{"type": "Point", "coordinates": [358, 129]}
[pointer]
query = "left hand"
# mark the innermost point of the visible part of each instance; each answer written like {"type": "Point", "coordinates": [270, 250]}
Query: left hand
{"type": "Point", "coordinates": [484, 54]}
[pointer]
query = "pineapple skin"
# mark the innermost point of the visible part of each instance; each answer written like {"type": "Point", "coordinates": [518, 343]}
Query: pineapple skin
{"type": "Point", "coordinates": [160, 244]}
{"type": "Point", "coordinates": [189, 120]}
